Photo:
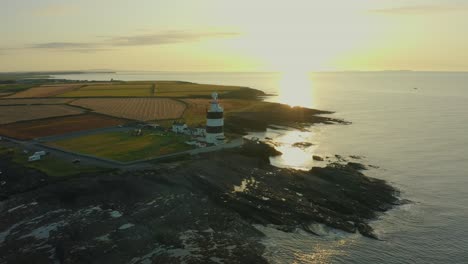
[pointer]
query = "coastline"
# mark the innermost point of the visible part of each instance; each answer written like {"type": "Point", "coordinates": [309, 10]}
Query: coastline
{"type": "Point", "coordinates": [186, 206]}
{"type": "Point", "coordinates": [201, 208]}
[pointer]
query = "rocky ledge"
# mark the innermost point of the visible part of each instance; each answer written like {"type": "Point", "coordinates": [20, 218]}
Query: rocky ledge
{"type": "Point", "coordinates": [197, 211]}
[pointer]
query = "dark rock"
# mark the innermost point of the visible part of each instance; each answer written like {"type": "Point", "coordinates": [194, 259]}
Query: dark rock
{"type": "Point", "coordinates": [210, 201]}
{"type": "Point", "coordinates": [339, 157]}
{"type": "Point", "coordinates": [302, 145]}
{"type": "Point", "coordinates": [366, 230]}
{"type": "Point", "coordinates": [259, 149]}
{"type": "Point", "coordinates": [357, 166]}
{"type": "Point", "coordinates": [317, 158]}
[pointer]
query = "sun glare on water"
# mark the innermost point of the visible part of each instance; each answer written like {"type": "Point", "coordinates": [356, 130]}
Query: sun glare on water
{"type": "Point", "coordinates": [295, 89]}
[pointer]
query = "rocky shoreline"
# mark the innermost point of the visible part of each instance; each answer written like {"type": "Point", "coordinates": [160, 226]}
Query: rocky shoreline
{"type": "Point", "coordinates": [200, 210]}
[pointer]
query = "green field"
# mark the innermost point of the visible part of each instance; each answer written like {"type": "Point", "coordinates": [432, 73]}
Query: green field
{"type": "Point", "coordinates": [182, 89]}
{"type": "Point", "coordinates": [109, 93]}
{"type": "Point", "coordinates": [116, 87]}
{"type": "Point", "coordinates": [123, 146]}
{"type": "Point", "coordinates": [49, 165]}
{"type": "Point", "coordinates": [150, 89]}
{"type": "Point", "coordinates": [13, 88]}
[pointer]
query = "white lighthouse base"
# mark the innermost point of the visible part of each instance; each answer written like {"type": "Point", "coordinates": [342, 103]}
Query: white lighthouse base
{"type": "Point", "coordinates": [215, 138]}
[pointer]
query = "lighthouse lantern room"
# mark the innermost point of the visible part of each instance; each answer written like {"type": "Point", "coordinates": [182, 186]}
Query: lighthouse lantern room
{"type": "Point", "coordinates": [215, 122]}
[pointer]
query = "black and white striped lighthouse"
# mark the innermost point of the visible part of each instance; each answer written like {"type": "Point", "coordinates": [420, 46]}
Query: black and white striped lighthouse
{"type": "Point", "coordinates": [215, 122]}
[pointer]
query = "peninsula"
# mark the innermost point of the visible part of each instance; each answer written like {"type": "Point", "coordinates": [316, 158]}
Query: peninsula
{"type": "Point", "coordinates": [72, 206]}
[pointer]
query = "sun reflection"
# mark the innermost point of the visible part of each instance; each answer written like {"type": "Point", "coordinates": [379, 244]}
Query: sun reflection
{"type": "Point", "coordinates": [295, 89]}
{"type": "Point", "coordinates": [294, 156]}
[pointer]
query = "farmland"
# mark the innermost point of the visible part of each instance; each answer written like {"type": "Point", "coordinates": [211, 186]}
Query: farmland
{"type": "Point", "coordinates": [112, 90]}
{"type": "Point", "coordinates": [142, 109]}
{"type": "Point", "coordinates": [34, 101]}
{"type": "Point", "coordinates": [123, 146]}
{"type": "Point", "coordinates": [187, 89]}
{"type": "Point", "coordinates": [13, 88]}
{"type": "Point", "coordinates": [57, 126]}
{"type": "Point", "coordinates": [115, 87]}
{"type": "Point", "coordinates": [151, 89]}
{"type": "Point", "coordinates": [15, 113]}
{"type": "Point", "coordinates": [45, 91]}
{"type": "Point", "coordinates": [109, 93]}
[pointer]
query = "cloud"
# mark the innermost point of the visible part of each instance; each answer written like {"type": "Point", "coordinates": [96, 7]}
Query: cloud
{"type": "Point", "coordinates": [167, 37]}
{"type": "Point", "coordinates": [56, 10]}
{"type": "Point", "coordinates": [62, 45]}
{"type": "Point", "coordinates": [422, 9]}
{"type": "Point", "coordinates": [69, 47]}
{"type": "Point", "coordinates": [108, 43]}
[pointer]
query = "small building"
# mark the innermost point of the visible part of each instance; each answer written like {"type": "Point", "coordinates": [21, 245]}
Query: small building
{"type": "Point", "coordinates": [200, 131]}
{"type": "Point", "coordinates": [179, 127]}
{"type": "Point", "coordinates": [34, 158]}
{"type": "Point", "coordinates": [137, 132]}
{"type": "Point", "coordinates": [40, 153]}
{"type": "Point", "coordinates": [195, 143]}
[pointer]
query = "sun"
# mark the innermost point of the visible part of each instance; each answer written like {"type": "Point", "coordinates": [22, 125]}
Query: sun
{"type": "Point", "coordinates": [295, 89]}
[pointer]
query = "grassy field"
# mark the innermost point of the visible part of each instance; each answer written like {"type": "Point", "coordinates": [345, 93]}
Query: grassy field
{"type": "Point", "coordinates": [52, 166]}
{"type": "Point", "coordinates": [34, 101]}
{"type": "Point", "coordinates": [109, 93]}
{"type": "Point", "coordinates": [45, 91]}
{"type": "Point", "coordinates": [13, 88]}
{"type": "Point", "coordinates": [150, 89]}
{"type": "Point", "coordinates": [15, 113]}
{"type": "Point", "coordinates": [58, 126]}
{"type": "Point", "coordinates": [185, 89]}
{"type": "Point", "coordinates": [116, 87]}
{"type": "Point", "coordinates": [123, 146]}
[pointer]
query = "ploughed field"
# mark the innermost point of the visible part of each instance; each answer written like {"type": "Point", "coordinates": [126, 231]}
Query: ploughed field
{"type": "Point", "coordinates": [15, 113]}
{"type": "Point", "coordinates": [58, 126]}
{"type": "Point", "coordinates": [125, 145]}
{"type": "Point", "coordinates": [142, 109]}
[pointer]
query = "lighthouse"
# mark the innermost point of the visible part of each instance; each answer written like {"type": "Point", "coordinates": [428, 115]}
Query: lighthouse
{"type": "Point", "coordinates": [215, 122]}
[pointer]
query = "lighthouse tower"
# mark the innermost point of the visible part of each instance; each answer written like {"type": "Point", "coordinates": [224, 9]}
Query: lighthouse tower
{"type": "Point", "coordinates": [215, 122]}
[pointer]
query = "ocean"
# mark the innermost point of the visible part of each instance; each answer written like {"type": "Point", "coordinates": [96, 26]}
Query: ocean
{"type": "Point", "coordinates": [412, 125]}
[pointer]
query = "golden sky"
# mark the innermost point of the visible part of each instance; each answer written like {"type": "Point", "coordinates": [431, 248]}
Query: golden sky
{"type": "Point", "coordinates": [221, 35]}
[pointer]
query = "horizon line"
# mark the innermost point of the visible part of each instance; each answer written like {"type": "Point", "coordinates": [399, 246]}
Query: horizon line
{"type": "Point", "coordinates": [59, 72]}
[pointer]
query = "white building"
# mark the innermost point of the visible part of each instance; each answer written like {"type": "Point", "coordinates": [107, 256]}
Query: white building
{"type": "Point", "coordinates": [198, 131]}
{"type": "Point", "coordinates": [179, 127]}
{"type": "Point", "coordinates": [215, 122]}
{"type": "Point", "coordinates": [34, 158]}
{"type": "Point", "coordinates": [39, 153]}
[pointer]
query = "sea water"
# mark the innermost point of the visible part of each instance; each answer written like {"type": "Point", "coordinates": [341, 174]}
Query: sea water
{"type": "Point", "coordinates": [412, 125]}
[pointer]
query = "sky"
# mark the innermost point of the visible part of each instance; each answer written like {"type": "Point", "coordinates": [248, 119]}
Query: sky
{"type": "Point", "coordinates": [241, 35]}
